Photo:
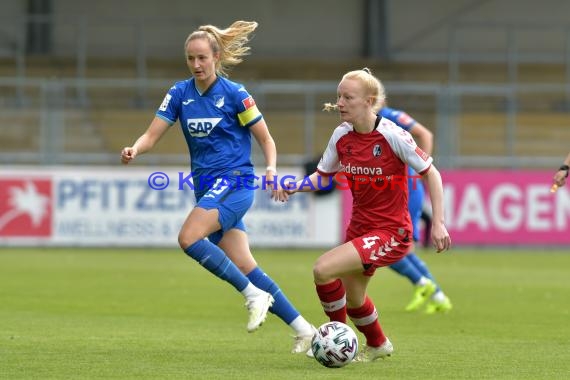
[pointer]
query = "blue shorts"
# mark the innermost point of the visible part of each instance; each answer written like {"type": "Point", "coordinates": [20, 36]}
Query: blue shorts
{"type": "Point", "coordinates": [416, 193]}
{"type": "Point", "coordinates": [232, 198]}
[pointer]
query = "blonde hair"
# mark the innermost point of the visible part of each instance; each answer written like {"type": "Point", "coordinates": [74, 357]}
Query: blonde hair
{"type": "Point", "coordinates": [230, 43]}
{"type": "Point", "coordinates": [372, 86]}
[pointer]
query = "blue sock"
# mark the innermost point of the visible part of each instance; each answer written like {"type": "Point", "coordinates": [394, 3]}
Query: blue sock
{"type": "Point", "coordinates": [281, 307]}
{"type": "Point", "coordinates": [421, 267]}
{"type": "Point", "coordinates": [211, 257]}
{"type": "Point", "coordinates": [407, 269]}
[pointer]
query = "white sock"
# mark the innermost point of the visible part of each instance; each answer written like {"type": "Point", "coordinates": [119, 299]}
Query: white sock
{"type": "Point", "coordinates": [301, 326]}
{"type": "Point", "coordinates": [438, 296]}
{"type": "Point", "coordinates": [251, 291]}
{"type": "Point", "coordinates": [422, 281]}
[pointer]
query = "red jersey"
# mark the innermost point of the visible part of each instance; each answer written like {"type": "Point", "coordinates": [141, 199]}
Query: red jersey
{"type": "Point", "coordinates": [373, 166]}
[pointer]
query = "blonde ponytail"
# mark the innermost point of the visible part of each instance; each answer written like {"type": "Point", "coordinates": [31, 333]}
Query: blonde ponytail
{"type": "Point", "coordinates": [230, 43]}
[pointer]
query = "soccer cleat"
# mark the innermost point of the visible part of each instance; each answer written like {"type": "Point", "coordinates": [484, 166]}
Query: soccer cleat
{"type": "Point", "coordinates": [258, 307]}
{"type": "Point", "coordinates": [434, 306]}
{"type": "Point", "coordinates": [302, 343]}
{"type": "Point", "coordinates": [421, 295]}
{"type": "Point", "coordinates": [369, 354]}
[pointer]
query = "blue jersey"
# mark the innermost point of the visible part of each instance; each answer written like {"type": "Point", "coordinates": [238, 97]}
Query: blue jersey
{"type": "Point", "coordinates": [400, 118]}
{"type": "Point", "coordinates": [215, 125]}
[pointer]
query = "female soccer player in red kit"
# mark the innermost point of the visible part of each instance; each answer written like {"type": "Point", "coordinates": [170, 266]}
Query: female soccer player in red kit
{"type": "Point", "coordinates": [369, 154]}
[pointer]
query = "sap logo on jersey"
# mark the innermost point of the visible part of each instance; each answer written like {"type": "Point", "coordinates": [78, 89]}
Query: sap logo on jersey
{"type": "Point", "coordinates": [202, 127]}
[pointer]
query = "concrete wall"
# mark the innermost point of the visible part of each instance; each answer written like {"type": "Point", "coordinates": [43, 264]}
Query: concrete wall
{"type": "Point", "coordinates": [292, 27]}
{"type": "Point", "coordinates": [10, 29]}
{"type": "Point", "coordinates": [330, 29]}
{"type": "Point", "coordinates": [423, 27]}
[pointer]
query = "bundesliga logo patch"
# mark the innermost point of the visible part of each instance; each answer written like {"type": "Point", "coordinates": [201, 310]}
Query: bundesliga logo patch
{"type": "Point", "coordinates": [25, 207]}
{"type": "Point", "coordinates": [248, 102]}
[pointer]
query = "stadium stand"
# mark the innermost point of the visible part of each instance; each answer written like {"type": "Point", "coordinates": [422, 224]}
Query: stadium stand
{"type": "Point", "coordinates": [112, 116]}
{"type": "Point", "coordinates": [537, 134]}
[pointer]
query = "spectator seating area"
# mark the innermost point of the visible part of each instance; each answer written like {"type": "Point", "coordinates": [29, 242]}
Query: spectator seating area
{"type": "Point", "coordinates": [113, 119]}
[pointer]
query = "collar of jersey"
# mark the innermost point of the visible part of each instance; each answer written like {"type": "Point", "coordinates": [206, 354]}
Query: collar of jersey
{"type": "Point", "coordinates": [208, 89]}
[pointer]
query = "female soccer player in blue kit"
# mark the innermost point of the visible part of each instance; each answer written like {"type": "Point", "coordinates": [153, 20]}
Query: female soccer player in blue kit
{"type": "Point", "coordinates": [411, 266]}
{"type": "Point", "coordinates": [218, 117]}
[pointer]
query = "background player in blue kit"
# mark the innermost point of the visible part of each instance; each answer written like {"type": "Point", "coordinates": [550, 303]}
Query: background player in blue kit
{"type": "Point", "coordinates": [218, 117]}
{"type": "Point", "coordinates": [411, 266]}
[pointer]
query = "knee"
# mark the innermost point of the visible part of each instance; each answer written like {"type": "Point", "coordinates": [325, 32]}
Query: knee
{"type": "Point", "coordinates": [185, 240]}
{"type": "Point", "coordinates": [321, 274]}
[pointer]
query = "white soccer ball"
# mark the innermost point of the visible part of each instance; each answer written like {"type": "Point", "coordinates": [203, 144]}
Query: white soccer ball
{"type": "Point", "coordinates": [334, 345]}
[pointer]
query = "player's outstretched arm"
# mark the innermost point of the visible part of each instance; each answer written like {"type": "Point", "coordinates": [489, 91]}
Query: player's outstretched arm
{"type": "Point", "coordinates": [261, 134]}
{"type": "Point", "coordinates": [439, 234]}
{"type": "Point", "coordinates": [313, 182]}
{"type": "Point", "coordinates": [146, 141]}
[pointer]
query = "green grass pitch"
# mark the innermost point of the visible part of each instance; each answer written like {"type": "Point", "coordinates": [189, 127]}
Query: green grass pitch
{"type": "Point", "coordinates": [155, 314]}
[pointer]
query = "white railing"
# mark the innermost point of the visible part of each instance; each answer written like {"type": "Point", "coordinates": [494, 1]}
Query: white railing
{"type": "Point", "coordinates": [84, 121]}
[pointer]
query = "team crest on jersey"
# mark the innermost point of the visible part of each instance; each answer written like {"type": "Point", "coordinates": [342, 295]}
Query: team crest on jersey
{"type": "Point", "coordinates": [377, 150]}
{"type": "Point", "coordinates": [202, 127]}
{"type": "Point", "coordinates": [219, 101]}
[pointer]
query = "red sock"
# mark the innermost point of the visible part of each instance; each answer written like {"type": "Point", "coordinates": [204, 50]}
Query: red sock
{"type": "Point", "coordinates": [365, 318]}
{"type": "Point", "coordinates": [333, 299]}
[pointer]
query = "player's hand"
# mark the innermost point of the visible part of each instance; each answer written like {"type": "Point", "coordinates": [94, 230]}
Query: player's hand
{"type": "Point", "coordinates": [280, 195]}
{"type": "Point", "coordinates": [440, 237]}
{"type": "Point", "coordinates": [285, 192]}
{"type": "Point", "coordinates": [273, 186]}
{"type": "Point", "coordinates": [290, 188]}
{"type": "Point", "coordinates": [559, 179]}
{"type": "Point", "coordinates": [128, 154]}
